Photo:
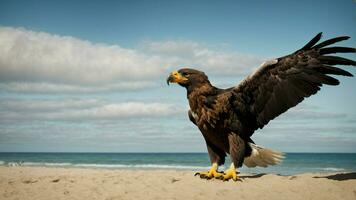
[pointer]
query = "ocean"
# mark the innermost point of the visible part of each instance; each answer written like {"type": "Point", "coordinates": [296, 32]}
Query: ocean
{"type": "Point", "coordinates": [294, 163]}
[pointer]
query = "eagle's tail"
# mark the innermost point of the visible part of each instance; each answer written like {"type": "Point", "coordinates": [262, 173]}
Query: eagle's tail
{"type": "Point", "coordinates": [262, 157]}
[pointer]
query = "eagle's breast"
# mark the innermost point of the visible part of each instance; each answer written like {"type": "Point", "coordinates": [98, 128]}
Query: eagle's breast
{"type": "Point", "coordinates": [207, 109]}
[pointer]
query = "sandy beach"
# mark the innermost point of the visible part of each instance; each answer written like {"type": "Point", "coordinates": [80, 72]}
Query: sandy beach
{"type": "Point", "coordinates": [75, 183]}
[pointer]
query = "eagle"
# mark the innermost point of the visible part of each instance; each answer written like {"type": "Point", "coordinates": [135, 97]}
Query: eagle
{"type": "Point", "coordinates": [227, 118]}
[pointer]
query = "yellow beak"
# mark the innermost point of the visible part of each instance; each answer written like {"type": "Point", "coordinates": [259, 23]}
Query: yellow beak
{"type": "Point", "coordinates": [176, 77]}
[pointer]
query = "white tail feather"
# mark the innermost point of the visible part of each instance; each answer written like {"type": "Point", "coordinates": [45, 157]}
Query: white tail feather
{"type": "Point", "coordinates": [262, 157]}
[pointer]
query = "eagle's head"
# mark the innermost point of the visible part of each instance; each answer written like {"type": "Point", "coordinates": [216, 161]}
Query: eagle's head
{"type": "Point", "coordinates": [188, 78]}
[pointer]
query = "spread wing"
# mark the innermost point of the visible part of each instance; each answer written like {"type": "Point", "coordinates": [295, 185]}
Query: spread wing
{"type": "Point", "coordinates": [283, 83]}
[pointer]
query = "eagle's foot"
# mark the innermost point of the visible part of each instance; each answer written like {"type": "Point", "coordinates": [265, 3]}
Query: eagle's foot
{"type": "Point", "coordinates": [230, 174]}
{"type": "Point", "coordinates": [209, 175]}
{"type": "Point", "coordinates": [212, 173]}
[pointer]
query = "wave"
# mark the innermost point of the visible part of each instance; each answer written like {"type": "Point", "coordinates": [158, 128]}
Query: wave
{"type": "Point", "coordinates": [16, 164]}
{"type": "Point", "coordinates": [144, 166]}
{"type": "Point", "coordinates": [111, 166]}
{"type": "Point", "coordinates": [45, 164]}
{"type": "Point", "coordinates": [334, 169]}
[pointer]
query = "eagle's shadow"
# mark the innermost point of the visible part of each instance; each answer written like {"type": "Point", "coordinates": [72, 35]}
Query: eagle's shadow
{"type": "Point", "coordinates": [337, 177]}
{"type": "Point", "coordinates": [340, 177]}
{"type": "Point", "coordinates": [252, 176]}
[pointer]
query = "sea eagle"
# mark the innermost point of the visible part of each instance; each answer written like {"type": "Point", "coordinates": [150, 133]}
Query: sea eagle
{"type": "Point", "coordinates": [227, 118]}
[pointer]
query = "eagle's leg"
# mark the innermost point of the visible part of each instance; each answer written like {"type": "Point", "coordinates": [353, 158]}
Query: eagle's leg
{"type": "Point", "coordinates": [230, 173]}
{"type": "Point", "coordinates": [212, 173]}
{"type": "Point", "coordinates": [237, 151]}
{"type": "Point", "coordinates": [217, 157]}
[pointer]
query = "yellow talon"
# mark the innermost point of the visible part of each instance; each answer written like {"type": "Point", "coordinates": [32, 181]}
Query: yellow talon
{"type": "Point", "coordinates": [230, 174]}
{"type": "Point", "coordinates": [212, 173]}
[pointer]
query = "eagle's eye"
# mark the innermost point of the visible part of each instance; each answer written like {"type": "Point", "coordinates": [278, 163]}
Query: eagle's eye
{"type": "Point", "coordinates": [185, 74]}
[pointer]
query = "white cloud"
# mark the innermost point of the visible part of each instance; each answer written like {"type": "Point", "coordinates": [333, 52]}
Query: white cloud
{"type": "Point", "coordinates": [31, 56]}
{"type": "Point", "coordinates": [305, 112]}
{"type": "Point", "coordinates": [45, 87]}
{"type": "Point", "coordinates": [125, 110]}
{"type": "Point", "coordinates": [42, 62]}
{"type": "Point", "coordinates": [82, 109]}
{"type": "Point", "coordinates": [19, 105]}
{"type": "Point", "coordinates": [210, 59]}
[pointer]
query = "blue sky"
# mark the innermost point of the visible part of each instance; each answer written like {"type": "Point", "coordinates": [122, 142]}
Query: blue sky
{"type": "Point", "coordinates": [90, 75]}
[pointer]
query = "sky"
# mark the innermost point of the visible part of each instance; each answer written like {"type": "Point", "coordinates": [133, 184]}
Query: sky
{"type": "Point", "coordinates": [89, 76]}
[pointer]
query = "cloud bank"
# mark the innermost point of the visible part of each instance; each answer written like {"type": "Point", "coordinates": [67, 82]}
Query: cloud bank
{"type": "Point", "coordinates": [82, 110]}
{"type": "Point", "coordinates": [33, 61]}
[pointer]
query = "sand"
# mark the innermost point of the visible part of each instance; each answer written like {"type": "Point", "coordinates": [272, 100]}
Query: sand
{"type": "Point", "coordinates": [38, 183]}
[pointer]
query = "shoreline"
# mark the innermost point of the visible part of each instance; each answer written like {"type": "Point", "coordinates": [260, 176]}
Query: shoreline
{"type": "Point", "coordinates": [165, 167]}
{"type": "Point", "coordinates": [28, 182]}
{"type": "Point", "coordinates": [293, 164]}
